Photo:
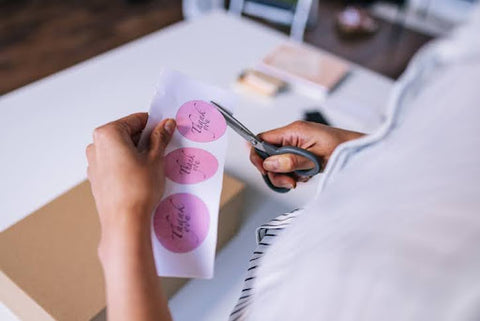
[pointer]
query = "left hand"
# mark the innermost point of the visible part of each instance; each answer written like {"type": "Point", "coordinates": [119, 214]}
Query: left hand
{"type": "Point", "coordinates": [127, 184]}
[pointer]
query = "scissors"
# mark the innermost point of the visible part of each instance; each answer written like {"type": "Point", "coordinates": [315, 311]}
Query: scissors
{"type": "Point", "coordinates": [265, 149]}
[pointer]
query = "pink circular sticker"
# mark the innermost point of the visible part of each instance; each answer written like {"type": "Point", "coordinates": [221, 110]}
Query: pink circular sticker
{"type": "Point", "coordinates": [200, 121]}
{"type": "Point", "coordinates": [190, 165]}
{"type": "Point", "coordinates": [181, 222]}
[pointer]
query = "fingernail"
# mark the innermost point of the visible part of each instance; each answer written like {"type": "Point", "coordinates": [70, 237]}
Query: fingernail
{"type": "Point", "coordinates": [169, 126]}
{"type": "Point", "coordinates": [270, 164]}
{"type": "Point", "coordinates": [289, 186]}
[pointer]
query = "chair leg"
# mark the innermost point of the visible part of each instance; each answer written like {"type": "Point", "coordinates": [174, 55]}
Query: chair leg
{"type": "Point", "coordinates": [300, 18]}
{"type": "Point", "coordinates": [236, 7]}
{"type": "Point", "coordinates": [194, 8]}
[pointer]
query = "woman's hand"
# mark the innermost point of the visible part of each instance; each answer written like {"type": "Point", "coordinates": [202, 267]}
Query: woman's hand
{"type": "Point", "coordinates": [127, 184]}
{"type": "Point", "coordinates": [319, 139]}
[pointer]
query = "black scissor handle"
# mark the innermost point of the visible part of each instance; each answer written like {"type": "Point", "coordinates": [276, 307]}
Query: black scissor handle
{"type": "Point", "coordinates": [291, 150]}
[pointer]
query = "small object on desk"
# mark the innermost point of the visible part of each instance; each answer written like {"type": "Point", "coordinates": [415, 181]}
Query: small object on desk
{"type": "Point", "coordinates": [316, 117]}
{"type": "Point", "coordinates": [261, 82]}
{"type": "Point", "coordinates": [265, 150]}
{"type": "Point", "coordinates": [355, 22]}
{"type": "Point", "coordinates": [305, 68]}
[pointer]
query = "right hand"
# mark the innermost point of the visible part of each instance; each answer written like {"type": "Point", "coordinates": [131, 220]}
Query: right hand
{"type": "Point", "coordinates": [318, 139]}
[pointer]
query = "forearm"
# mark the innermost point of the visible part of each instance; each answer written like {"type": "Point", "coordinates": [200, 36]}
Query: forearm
{"type": "Point", "coordinates": [351, 135]}
{"type": "Point", "coordinates": [133, 288]}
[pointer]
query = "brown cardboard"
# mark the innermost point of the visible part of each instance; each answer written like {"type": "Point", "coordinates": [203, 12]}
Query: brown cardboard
{"type": "Point", "coordinates": [48, 261]}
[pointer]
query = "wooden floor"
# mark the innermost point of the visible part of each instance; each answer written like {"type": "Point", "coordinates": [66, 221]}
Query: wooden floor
{"type": "Point", "coordinates": [41, 37]}
{"type": "Point", "coordinates": [38, 38]}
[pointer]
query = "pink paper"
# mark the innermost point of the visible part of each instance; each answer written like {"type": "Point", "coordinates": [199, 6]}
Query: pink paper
{"type": "Point", "coordinates": [190, 165]}
{"type": "Point", "coordinates": [181, 222]}
{"type": "Point", "coordinates": [200, 121]}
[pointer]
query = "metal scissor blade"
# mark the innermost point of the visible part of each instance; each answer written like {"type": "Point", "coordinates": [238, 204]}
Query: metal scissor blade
{"type": "Point", "coordinates": [237, 126]}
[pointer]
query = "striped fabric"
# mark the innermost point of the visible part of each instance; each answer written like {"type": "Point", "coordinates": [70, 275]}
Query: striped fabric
{"type": "Point", "coordinates": [266, 235]}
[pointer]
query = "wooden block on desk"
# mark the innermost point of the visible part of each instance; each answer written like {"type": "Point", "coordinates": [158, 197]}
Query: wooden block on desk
{"type": "Point", "coordinates": [49, 264]}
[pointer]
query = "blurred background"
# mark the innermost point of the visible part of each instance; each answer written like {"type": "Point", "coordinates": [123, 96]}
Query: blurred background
{"type": "Point", "coordinates": [41, 37]}
{"type": "Point", "coordinates": [51, 121]}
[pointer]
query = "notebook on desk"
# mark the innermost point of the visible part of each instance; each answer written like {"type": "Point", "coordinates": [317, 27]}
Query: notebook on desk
{"type": "Point", "coordinates": [305, 68]}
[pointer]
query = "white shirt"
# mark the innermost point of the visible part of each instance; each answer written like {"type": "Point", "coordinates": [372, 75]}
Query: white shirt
{"type": "Point", "coordinates": [394, 232]}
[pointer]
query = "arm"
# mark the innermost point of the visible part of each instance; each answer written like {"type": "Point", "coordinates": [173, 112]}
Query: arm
{"type": "Point", "coordinates": [319, 139]}
{"type": "Point", "coordinates": [127, 185]}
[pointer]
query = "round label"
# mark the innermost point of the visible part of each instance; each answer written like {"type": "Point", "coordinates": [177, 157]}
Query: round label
{"type": "Point", "coordinates": [190, 165]}
{"type": "Point", "coordinates": [181, 222]}
{"type": "Point", "coordinates": [200, 121]}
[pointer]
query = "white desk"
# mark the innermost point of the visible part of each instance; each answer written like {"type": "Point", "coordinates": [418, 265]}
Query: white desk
{"type": "Point", "coordinates": [46, 126]}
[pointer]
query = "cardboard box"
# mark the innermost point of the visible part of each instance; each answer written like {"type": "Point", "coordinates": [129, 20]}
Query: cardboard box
{"type": "Point", "coordinates": [49, 264]}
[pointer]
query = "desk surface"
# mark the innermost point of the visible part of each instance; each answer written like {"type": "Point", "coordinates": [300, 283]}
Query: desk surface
{"type": "Point", "coordinates": [46, 126]}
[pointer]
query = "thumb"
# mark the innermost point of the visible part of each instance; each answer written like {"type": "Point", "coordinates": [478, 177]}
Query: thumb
{"type": "Point", "coordinates": [286, 163]}
{"type": "Point", "coordinates": [160, 137]}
